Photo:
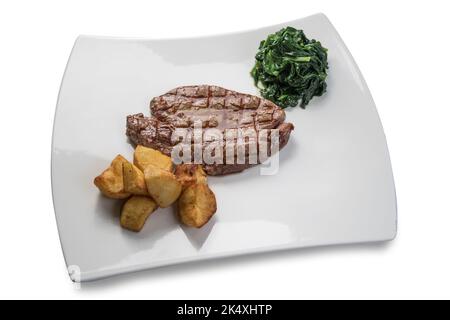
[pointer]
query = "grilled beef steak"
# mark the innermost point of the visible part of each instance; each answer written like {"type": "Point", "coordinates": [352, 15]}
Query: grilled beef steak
{"type": "Point", "coordinates": [216, 108]}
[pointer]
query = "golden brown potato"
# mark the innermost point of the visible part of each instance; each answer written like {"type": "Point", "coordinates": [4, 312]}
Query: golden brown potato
{"type": "Point", "coordinates": [162, 185]}
{"type": "Point", "coordinates": [144, 156]}
{"type": "Point", "coordinates": [133, 180]}
{"type": "Point", "coordinates": [110, 182]}
{"type": "Point", "coordinates": [197, 205]}
{"type": "Point", "coordinates": [135, 212]}
{"type": "Point", "coordinates": [189, 174]}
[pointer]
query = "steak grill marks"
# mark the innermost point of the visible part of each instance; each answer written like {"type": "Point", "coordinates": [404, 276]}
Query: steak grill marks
{"type": "Point", "coordinates": [216, 108]}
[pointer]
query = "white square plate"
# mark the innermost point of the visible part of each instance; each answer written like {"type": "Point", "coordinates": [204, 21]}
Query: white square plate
{"type": "Point", "coordinates": [334, 184]}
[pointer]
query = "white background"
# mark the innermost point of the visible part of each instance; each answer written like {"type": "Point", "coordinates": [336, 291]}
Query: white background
{"type": "Point", "coordinates": [402, 48]}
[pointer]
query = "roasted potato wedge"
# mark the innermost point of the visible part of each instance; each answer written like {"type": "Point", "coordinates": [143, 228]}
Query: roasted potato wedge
{"type": "Point", "coordinates": [133, 180]}
{"type": "Point", "coordinates": [189, 174]}
{"type": "Point", "coordinates": [162, 185]}
{"type": "Point", "coordinates": [135, 212]}
{"type": "Point", "coordinates": [197, 205]}
{"type": "Point", "coordinates": [144, 156]}
{"type": "Point", "coordinates": [110, 182]}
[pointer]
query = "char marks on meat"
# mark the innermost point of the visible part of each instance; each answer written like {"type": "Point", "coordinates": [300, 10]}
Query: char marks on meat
{"type": "Point", "coordinates": [216, 108]}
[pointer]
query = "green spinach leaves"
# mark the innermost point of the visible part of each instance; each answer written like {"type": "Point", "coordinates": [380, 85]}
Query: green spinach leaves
{"type": "Point", "coordinates": [290, 68]}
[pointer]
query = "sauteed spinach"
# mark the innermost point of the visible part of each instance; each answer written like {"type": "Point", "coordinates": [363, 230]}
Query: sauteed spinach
{"type": "Point", "coordinates": [290, 68]}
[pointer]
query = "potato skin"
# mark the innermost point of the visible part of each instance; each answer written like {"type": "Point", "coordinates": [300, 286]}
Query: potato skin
{"type": "Point", "coordinates": [189, 174]}
{"type": "Point", "coordinates": [133, 180]}
{"type": "Point", "coordinates": [110, 182]}
{"type": "Point", "coordinates": [144, 156]}
{"type": "Point", "coordinates": [162, 185]}
{"type": "Point", "coordinates": [135, 212]}
{"type": "Point", "coordinates": [197, 205]}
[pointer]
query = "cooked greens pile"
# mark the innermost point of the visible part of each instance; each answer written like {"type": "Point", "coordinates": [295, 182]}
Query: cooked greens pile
{"type": "Point", "coordinates": [289, 67]}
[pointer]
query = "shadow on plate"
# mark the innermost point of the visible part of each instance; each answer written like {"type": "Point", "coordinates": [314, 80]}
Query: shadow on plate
{"type": "Point", "coordinates": [198, 237]}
